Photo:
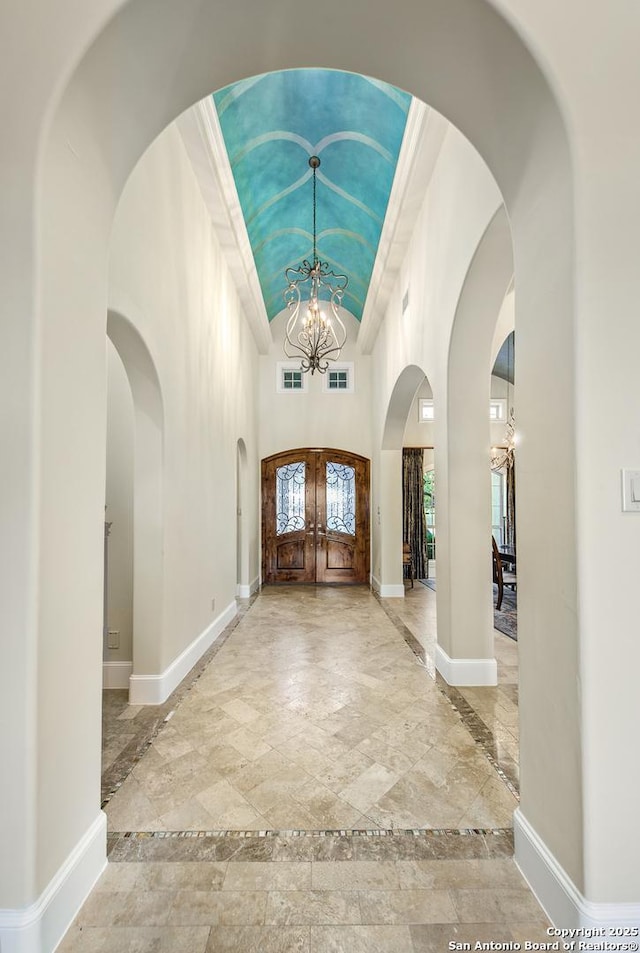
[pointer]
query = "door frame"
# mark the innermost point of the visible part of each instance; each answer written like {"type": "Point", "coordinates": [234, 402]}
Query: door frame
{"type": "Point", "coordinates": [363, 506]}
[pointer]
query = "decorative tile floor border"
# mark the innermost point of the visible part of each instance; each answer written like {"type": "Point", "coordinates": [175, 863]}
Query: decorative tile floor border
{"type": "Point", "coordinates": [376, 832]}
{"type": "Point", "coordinates": [506, 768]}
{"type": "Point", "coordinates": [418, 650]}
{"type": "Point", "coordinates": [118, 772]}
{"type": "Point", "coordinates": [297, 845]}
{"type": "Point", "coordinates": [122, 766]}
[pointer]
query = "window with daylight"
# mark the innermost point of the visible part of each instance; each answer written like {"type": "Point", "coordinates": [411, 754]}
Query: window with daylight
{"type": "Point", "coordinates": [339, 378]}
{"type": "Point", "coordinates": [497, 409]}
{"type": "Point", "coordinates": [290, 498]}
{"type": "Point", "coordinates": [290, 378]}
{"type": "Point", "coordinates": [499, 506]}
{"type": "Point", "coordinates": [425, 410]}
{"type": "Point", "coordinates": [341, 498]}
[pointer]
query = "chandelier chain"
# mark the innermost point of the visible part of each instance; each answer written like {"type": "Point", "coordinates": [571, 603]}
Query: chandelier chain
{"type": "Point", "coordinates": [311, 334]}
{"type": "Point", "coordinates": [315, 254]}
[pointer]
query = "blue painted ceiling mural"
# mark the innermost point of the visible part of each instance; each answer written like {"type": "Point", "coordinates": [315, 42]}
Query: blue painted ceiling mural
{"type": "Point", "coordinates": [271, 125]}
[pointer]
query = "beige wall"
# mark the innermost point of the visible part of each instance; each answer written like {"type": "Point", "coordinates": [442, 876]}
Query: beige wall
{"type": "Point", "coordinates": [419, 433]}
{"type": "Point", "coordinates": [168, 277]}
{"type": "Point", "coordinates": [433, 272]}
{"type": "Point", "coordinates": [315, 418]}
{"type": "Point", "coordinates": [119, 507]}
{"type": "Point", "coordinates": [457, 279]}
{"type": "Point", "coordinates": [561, 140]}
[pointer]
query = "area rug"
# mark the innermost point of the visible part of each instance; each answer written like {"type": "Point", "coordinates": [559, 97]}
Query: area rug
{"type": "Point", "coordinates": [506, 620]}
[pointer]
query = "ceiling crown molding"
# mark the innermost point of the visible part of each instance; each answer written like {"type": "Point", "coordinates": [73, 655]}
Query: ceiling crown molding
{"type": "Point", "coordinates": [202, 137]}
{"type": "Point", "coordinates": [423, 137]}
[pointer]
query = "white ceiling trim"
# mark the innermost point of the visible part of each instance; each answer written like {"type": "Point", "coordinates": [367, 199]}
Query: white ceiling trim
{"type": "Point", "coordinates": [423, 137]}
{"type": "Point", "coordinates": [202, 136]}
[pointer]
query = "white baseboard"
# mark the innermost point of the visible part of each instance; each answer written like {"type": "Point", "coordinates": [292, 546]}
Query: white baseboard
{"type": "Point", "coordinates": [155, 689]}
{"type": "Point", "coordinates": [245, 592]}
{"type": "Point", "coordinates": [562, 901]}
{"type": "Point", "coordinates": [387, 591]}
{"type": "Point", "coordinates": [466, 671]}
{"type": "Point", "coordinates": [40, 927]}
{"type": "Point", "coordinates": [116, 674]}
{"type": "Point", "coordinates": [391, 592]}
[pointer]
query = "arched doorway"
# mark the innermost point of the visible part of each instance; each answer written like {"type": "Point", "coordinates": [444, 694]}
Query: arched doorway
{"type": "Point", "coordinates": [421, 48]}
{"type": "Point", "coordinates": [315, 517]}
{"type": "Point", "coordinates": [148, 570]}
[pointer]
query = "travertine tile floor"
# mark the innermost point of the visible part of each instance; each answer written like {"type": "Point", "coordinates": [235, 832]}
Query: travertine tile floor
{"type": "Point", "coordinates": [315, 715]}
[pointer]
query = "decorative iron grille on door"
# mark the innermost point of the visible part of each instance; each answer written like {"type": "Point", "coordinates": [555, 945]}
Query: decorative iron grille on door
{"type": "Point", "coordinates": [315, 517]}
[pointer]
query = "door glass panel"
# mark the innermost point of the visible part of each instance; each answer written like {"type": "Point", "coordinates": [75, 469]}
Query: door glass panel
{"type": "Point", "coordinates": [341, 498]}
{"type": "Point", "coordinates": [290, 495]}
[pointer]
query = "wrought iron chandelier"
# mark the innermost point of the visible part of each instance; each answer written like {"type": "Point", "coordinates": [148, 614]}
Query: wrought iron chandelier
{"type": "Point", "coordinates": [310, 334]}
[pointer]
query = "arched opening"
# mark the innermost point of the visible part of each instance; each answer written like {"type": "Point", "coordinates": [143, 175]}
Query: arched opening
{"type": "Point", "coordinates": [455, 55]}
{"type": "Point", "coordinates": [465, 618]}
{"type": "Point", "coordinates": [387, 501]}
{"type": "Point", "coordinates": [147, 504]}
{"type": "Point", "coordinates": [119, 510]}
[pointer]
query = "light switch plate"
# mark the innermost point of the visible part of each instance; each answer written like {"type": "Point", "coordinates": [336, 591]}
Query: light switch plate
{"type": "Point", "coordinates": [630, 491]}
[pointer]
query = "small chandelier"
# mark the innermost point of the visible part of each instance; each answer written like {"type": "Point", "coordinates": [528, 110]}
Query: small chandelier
{"type": "Point", "coordinates": [503, 458]}
{"type": "Point", "coordinates": [310, 334]}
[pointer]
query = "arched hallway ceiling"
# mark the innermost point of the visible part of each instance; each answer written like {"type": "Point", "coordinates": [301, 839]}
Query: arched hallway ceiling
{"type": "Point", "coordinates": [271, 124]}
{"type": "Point", "coordinates": [504, 366]}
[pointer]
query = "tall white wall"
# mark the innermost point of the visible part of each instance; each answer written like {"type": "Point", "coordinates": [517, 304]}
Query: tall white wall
{"type": "Point", "coordinates": [417, 432]}
{"type": "Point", "coordinates": [421, 433]}
{"type": "Point", "coordinates": [119, 507]}
{"type": "Point", "coordinates": [461, 200]}
{"type": "Point", "coordinates": [556, 126]}
{"type": "Point", "coordinates": [459, 244]}
{"type": "Point", "coordinates": [315, 418]}
{"type": "Point", "coordinates": [168, 277]}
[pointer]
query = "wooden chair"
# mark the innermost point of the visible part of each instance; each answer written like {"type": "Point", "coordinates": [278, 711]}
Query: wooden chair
{"type": "Point", "coordinates": [501, 577]}
{"type": "Point", "coordinates": [407, 560]}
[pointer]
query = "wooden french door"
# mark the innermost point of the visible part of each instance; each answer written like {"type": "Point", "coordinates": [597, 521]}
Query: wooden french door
{"type": "Point", "coordinates": [315, 517]}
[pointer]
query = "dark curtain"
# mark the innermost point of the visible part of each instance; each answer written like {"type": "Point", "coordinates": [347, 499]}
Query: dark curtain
{"type": "Point", "coordinates": [511, 503]}
{"type": "Point", "coordinates": [414, 523]}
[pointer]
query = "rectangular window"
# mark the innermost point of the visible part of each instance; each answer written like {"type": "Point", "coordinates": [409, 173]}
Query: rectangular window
{"type": "Point", "coordinates": [290, 378]}
{"type": "Point", "coordinates": [497, 409]}
{"type": "Point", "coordinates": [498, 506]}
{"type": "Point", "coordinates": [338, 379]}
{"type": "Point", "coordinates": [425, 410]}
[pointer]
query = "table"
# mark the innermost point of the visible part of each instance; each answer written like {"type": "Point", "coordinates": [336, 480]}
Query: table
{"type": "Point", "coordinates": [508, 555]}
